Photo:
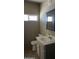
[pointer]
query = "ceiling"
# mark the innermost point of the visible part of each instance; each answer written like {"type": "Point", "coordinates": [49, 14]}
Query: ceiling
{"type": "Point", "coordinates": [38, 1]}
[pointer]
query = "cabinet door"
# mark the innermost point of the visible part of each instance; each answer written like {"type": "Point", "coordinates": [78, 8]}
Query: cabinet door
{"type": "Point", "coordinates": [50, 51]}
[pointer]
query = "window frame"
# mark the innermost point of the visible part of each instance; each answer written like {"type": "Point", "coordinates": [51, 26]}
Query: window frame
{"type": "Point", "coordinates": [29, 19]}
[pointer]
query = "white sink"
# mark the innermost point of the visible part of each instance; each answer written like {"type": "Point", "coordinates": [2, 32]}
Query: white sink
{"type": "Point", "coordinates": [45, 40]}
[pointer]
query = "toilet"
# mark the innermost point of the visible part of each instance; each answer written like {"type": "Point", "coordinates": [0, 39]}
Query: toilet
{"type": "Point", "coordinates": [33, 43]}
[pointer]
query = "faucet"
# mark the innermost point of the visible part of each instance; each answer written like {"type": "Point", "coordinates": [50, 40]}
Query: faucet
{"type": "Point", "coordinates": [50, 37]}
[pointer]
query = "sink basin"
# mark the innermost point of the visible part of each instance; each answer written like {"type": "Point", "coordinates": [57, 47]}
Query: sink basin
{"type": "Point", "coordinates": [45, 40]}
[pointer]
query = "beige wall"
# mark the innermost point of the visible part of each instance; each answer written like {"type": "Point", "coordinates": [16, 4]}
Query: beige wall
{"type": "Point", "coordinates": [31, 28]}
{"type": "Point", "coordinates": [31, 8]}
{"type": "Point", "coordinates": [45, 7]}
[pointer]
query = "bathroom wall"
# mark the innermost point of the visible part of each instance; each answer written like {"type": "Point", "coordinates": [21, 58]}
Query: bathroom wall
{"type": "Point", "coordinates": [45, 7]}
{"type": "Point", "coordinates": [31, 28]}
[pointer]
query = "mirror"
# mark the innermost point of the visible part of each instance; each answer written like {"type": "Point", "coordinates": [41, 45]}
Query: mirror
{"type": "Point", "coordinates": [51, 20]}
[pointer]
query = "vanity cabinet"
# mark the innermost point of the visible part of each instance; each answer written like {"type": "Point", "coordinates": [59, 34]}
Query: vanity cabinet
{"type": "Point", "coordinates": [49, 51]}
{"type": "Point", "coordinates": [46, 51]}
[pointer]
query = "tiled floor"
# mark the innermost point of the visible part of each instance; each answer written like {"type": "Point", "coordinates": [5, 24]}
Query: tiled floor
{"type": "Point", "coordinates": [29, 54]}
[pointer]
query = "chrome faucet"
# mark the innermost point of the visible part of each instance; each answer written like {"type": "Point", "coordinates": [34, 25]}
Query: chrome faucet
{"type": "Point", "coordinates": [50, 37]}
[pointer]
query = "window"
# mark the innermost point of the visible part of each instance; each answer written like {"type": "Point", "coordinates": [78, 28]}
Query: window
{"type": "Point", "coordinates": [26, 17]}
{"type": "Point", "coordinates": [33, 18]}
{"type": "Point", "coordinates": [30, 18]}
{"type": "Point", "coordinates": [50, 18]}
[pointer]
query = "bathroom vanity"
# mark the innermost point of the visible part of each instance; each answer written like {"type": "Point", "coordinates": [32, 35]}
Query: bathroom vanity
{"type": "Point", "coordinates": [49, 51]}
{"type": "Point", "coordinates": [46, 47]}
